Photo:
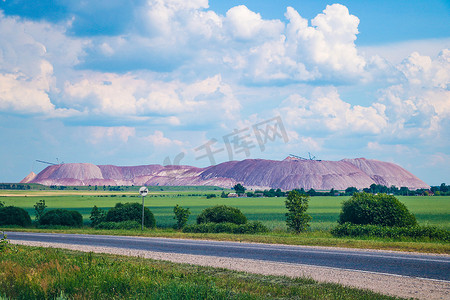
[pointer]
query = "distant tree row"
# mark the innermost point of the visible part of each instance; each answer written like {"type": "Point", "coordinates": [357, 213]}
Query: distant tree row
{"type": "Point", "coordinates": [442, 190]}
{"type": "Point", "coordinates": [14, 186]}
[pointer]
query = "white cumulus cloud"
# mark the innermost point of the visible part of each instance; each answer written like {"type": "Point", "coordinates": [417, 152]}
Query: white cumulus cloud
{"type": "Point", "coordinates": [29, 52]}
{"type": "Point", "coordinates": [108, 94]}
{"type": "Point", "coordinates": [299, 52]}
{"type": "Point", "coordinates": [245, 24]}
{"type": "Point", "coordinates": [329, 42]}
{"type": "Point", "coordinates": [419, 106]}
{"type": "Point", "coordinates": [169, 102]}
{"type": "Point", "coordinates": [113, 134]}
{"type": "Point", "coordinates": [159, 140]}
{"type": "Point", "coordinates": [326, 111]}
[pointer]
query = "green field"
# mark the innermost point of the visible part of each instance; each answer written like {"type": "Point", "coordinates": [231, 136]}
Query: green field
{"type": "Point", "coordinates": [324, 210]}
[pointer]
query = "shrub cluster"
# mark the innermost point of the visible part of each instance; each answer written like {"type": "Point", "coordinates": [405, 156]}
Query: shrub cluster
{"type": "Point", "coordinates": [248, 228]}
{"type": "Point", "coordinates": [221, 214]}
{"type": "Point", "coordinates": [11, 215]}
{"type": "Point", "coordinates": [62, 217]}
{"type": "Point", "coordinates": [381, 209]}
{"type": "Point", "coordinates": [354, 230]}
{"type": "Point", "coordinates": [130, 212]}
{"type": "Point", "coordinates": [119, 225]}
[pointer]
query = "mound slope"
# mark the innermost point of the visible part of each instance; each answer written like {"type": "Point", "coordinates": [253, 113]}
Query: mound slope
{"type": "Point", "coordinates": [253, 173]}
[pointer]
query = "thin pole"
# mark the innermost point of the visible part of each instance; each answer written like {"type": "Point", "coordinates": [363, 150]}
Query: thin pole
{"type": "Point", "coordinates": [142, 228]}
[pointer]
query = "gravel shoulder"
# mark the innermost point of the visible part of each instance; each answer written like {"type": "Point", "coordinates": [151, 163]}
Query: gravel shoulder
{"type": "Point", "coordinates": [401, 286]}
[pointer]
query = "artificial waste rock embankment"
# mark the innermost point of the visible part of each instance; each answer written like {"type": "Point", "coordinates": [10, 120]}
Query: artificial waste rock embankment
{"type": "Point", "coordinates": [287, 174]}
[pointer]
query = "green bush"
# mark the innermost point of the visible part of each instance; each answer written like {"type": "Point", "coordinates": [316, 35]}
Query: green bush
{"type": "Point", "coordinates": [11, 215]}
{"type": "Point", "coordinates": [353, 230]}
{"type": "Point", "coordinates": [62, 217]}
{"type": "Point", "coordinates": [119, 225]}
{"type": "Point", "coordinates": [248, 228]}
{"type": "Point", "coordinates": [77, 217]}
{"type": "Point", "coordinates": [381, 209]}
{"type": "Point", "coordinates": [131, 212]}
{"type": "Point", "coordinates": [251, 227]}
{"type": "Point", "coordinates": [221, 214]}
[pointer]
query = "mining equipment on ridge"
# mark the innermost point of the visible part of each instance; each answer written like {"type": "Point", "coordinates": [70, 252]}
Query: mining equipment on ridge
{"type": "Point", "coordinates": [50, 163]}
{"type": "Point", "coordinates": [311, 157]}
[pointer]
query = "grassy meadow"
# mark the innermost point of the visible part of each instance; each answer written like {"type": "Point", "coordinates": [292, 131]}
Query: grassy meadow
{"type": "Point", "coordinates": [39, 273]}
{"type": "Point", "coordinates": [429, 210]}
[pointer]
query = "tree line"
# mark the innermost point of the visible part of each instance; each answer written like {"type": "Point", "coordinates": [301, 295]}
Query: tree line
{"type": "Point", "coordinates": [442, 190]}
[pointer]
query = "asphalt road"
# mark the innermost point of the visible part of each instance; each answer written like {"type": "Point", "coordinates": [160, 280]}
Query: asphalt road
{"type": "Point", "coordinates": [422, 266]}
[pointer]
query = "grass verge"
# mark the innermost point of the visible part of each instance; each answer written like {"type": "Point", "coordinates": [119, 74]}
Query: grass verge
{"type": "Point", "coordinates": [312, 238]}
{"type": "Point", "coordinates": [43, 273]}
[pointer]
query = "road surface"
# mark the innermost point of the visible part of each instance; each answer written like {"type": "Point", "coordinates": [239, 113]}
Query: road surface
{"type": "Point", "coordinates": [435, 267]}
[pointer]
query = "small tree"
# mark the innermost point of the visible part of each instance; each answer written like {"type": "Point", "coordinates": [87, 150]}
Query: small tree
{"type": "Point", "coordinates": [97, 216]}
{"type": "Point", "coordinates": [223, 195]}
{"type": "Point", "coordinates": [297, 219]}
{"type": "Point", "coordinates": [239, 188]}
{"type": "Point", "coordinates": [181, 215]}
{"type": "Point", "coordinates": [311, 192]}
{"type": "Point", "coordinates": [404, 191]}
{"type": "Point", "coordinates": [39, 207]}
{"type": "Point", "coordinates": [351, 190]}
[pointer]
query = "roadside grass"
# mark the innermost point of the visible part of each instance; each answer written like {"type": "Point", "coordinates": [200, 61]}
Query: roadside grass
{"type": "Point", "coordinates": [46, 273]}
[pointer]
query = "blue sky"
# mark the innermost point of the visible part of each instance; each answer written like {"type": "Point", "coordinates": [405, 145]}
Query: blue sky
{"type": "Point", "coordinates": [152, 82]}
